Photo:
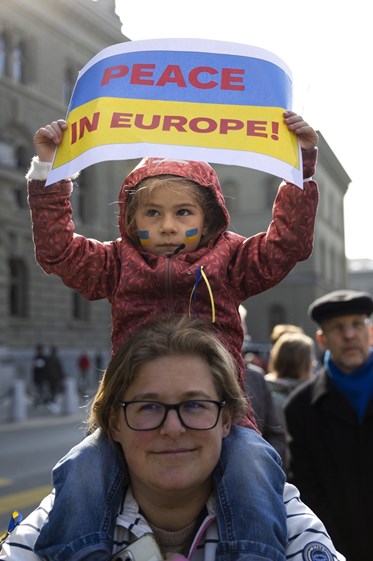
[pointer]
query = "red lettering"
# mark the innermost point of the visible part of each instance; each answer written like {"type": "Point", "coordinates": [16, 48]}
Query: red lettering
{"type": "Point", "coordinates": [121, 120]}
{"type": "Point", "coordinates": [228, 78]}
{"type": "Point", "coordinates": [84, 124]}
{"type": "Point", "coordinates": [194, 77]}
{"type": "Point", "coordinates": [170, 121]}
{"type": "Point", "coordinates": [74, 135]}
{"type": "Point", "coordinates": [275, 127]}
{"type": "Point", "coordinates": [256, 128]}
{"type": "Point", "coordinates": [140, 72]}
{"type": "Point", "coordinates": [227, 125]}
{"type": "Point", "coordinates": [195, 124]}
{"type": "Point", "coordinates": [198, 77]}
{"type": "Point", "coordinates": [172, 75]}
{"type": "Point", "coordinates": [139, 122]}
{"type": "Point", "coordinates": [179, 123]}
{"type": "Point", "coordinates": [114, 72]}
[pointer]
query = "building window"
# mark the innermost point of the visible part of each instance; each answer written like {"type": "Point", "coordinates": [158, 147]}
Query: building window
{"type": "Point", "coordinates": [80, 307]}
{"type": "Point", "coordinates": [82, 197]}
{"type": "Point", "coordinates": [2, 56]}
{"type": "Point", "coordinates": [14, 153]}
{"type": "Point", "coordinates": [8, 156]}
{"type": "Point", "coordinates": [20, 195]}
{"type": "Point", "coordinates": [15, 56]}
{"type": "Point", "coordinates": [18, 288]}
{"type": "Point", "coordinates": [18, 63]}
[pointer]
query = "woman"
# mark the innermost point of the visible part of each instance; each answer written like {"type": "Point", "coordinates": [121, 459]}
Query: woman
{"type": "Point", "coordinates": [168, 400]}
{"type": "Point", "coordinates": [291, 362]}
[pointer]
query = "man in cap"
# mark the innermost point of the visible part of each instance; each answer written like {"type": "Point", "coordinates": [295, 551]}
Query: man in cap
{"type": "Point", "coordinates": [330, 423]}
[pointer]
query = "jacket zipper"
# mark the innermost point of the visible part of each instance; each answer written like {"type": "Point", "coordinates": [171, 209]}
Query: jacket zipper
{"type": "Point", "coordinates": [168, 284]}
{"type": "Point", "coordinates": [202, 530]}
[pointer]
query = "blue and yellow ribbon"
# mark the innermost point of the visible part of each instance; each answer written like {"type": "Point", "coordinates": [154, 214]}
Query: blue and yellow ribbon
{"type": "Point", "coordinates": [15, 519]}
{"type": "Point", "coordinates": [193, 295]}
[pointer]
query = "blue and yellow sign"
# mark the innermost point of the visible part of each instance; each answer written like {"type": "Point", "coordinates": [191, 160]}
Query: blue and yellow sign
{"type": "Point", "coordinates": [183, 98]}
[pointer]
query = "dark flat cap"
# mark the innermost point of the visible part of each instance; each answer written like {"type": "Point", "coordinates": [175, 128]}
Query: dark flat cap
{"type": "Point", "coordinates": [340, 303]}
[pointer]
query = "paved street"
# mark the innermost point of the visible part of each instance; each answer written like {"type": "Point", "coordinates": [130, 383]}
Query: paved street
{"type": "Point", "coordinates": [28, 451]}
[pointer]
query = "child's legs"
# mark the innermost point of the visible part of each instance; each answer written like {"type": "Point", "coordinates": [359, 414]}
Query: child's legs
{"type": "Point", "coordinates": [249, 491]}
{"type": "Point", "coordinates": [89, 484]}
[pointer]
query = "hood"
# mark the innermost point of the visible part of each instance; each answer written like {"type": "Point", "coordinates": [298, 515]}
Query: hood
{"type": "Point", "coordinates": [199, 172]}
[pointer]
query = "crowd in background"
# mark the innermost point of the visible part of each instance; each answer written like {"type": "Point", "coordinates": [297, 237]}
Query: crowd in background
{"type": "Point", "coordinates": [48, 375]}
{"type": "Point", "coordinates": [321, 397]}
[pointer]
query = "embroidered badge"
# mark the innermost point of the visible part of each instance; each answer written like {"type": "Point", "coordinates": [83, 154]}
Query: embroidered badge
{"type": "Point", "coordinates": [316, 551]}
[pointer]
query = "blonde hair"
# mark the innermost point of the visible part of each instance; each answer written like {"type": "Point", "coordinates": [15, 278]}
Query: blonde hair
{"type": "Point", "coordinates": [174, 336]}
{"type": "Point", "coordinates": [213, 215]}
{"type": "Point", "coordinates": [282, 328]}
{"type": "Point", "coordinates": [292, 355]}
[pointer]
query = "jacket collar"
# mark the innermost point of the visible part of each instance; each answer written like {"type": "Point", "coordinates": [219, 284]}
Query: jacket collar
{"type": "Point", "coordinates": [131, 518]}
{"type": "Point", "coordinates": [323, 388]}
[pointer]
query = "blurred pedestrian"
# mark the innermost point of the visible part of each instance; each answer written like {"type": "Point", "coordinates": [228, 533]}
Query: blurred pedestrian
{"type": "Point", "coordinates": [281, 328]}
{"type": "Point", "coordinates": [291, 362]}
{"type": "Point", "coordinates": [330, 421]}
{"type": "Point", "coordinates": [84, 368]}
{"type": "Point", "coordinates": [55, 378]}
{"type": "Point", "coordinates": [261, 399]}
{"type": "Point", "coordinates": [39, 375]}
{"type": "Point", "coordinates": [264, 409]}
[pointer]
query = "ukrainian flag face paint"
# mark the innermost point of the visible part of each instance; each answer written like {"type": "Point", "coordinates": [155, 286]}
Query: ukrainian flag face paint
{"type": "Point", "coordinates": [144, 237]}
{"type": "Point", "coordinates": [192, 236]}
{"type": "Point", "coordinates": [170, 222]}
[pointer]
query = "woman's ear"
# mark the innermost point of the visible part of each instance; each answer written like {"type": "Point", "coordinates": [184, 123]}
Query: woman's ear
{"type": "Point", "coordinates": [320, 338]}
{"type": "Point", "coordinates": [226, 423]}
{"type": "Point", "coordinates": [114, 426]}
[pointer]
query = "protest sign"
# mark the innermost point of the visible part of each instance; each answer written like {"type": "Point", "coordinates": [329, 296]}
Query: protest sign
{"type": "Point", "coordinates": [185, 99]}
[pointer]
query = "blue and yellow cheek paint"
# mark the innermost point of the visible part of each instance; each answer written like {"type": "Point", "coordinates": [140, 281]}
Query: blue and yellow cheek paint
{"type": "Point", "coordinates": [192, 236]}
{"type": "Point", "coordinates": [144, 237]}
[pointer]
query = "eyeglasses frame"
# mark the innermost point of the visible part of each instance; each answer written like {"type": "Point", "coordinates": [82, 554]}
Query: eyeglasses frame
{"type": "Point", "coordinates": [173, 406]}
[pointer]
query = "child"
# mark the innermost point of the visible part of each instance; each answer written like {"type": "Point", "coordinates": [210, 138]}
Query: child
{"type": "Point", "coordinates": [155, 267]}
{"type": "Point", "coordinates": [174, 256]}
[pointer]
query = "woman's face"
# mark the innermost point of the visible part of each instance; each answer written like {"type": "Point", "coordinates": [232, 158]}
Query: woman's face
{"type": "Point", "coordinates": [172, 457]}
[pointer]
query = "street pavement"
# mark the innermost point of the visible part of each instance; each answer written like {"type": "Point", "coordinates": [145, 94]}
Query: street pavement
{"type": "Point", "coordinates": [29, 449]}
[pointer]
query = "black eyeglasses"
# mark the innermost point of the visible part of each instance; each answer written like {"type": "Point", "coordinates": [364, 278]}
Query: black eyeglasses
{"type": "Point", "coordinates": [197, 414]}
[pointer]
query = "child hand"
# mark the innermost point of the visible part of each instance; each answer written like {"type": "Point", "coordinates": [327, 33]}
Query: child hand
{"type": "Point", "coordinates": [308, 138]}
{"type": "Point", "coordinates": [47, 138]}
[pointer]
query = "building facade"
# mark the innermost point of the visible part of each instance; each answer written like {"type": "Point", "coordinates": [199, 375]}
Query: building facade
{"type": "Point", "coordinates": [43, 45]}
{"type": "Point", "coordinates": [360, 274]}
{"type": "Point", "coordinates": [250, 197]}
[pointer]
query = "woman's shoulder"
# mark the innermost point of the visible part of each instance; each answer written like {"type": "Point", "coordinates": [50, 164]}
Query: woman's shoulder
{"type": "Point", "coordinates": [19, 546]}
{"type": "Point", "coordinates": [306, 532]}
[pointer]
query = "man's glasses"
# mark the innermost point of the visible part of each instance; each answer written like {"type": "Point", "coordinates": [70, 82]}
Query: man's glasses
{"type": "Point", "coordinates": [197, 414]}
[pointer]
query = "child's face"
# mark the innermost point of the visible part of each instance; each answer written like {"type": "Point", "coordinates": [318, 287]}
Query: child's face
{"type": "Point", "coordinates": [169, 218]}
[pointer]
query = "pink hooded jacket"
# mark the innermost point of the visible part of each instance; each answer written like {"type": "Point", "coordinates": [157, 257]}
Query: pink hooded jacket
{"type": "Point", "coordinates": [142, 285]}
